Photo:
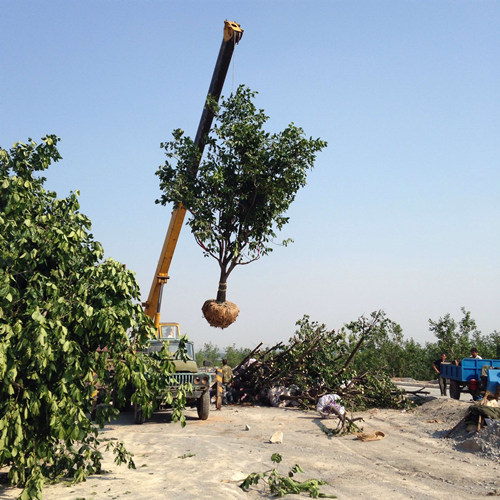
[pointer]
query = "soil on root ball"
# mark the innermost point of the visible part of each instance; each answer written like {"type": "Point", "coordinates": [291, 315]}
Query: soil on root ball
{"type": "Point", "coordinates": [220, 314]}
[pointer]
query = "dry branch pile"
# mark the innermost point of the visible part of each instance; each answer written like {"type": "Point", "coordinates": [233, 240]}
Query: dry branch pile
{"type": "Point", "coordinates": [315, 362]}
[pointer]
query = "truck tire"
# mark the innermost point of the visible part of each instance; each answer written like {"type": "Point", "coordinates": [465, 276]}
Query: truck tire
{"type": "Point", "coordinates": [454, 389]}
{"type": "Point", "coordinates": [203, 405]}
{"type": "Point", "coordinates": [138, 415]}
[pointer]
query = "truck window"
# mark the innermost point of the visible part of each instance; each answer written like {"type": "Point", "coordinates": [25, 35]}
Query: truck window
{"type": "Point", "coordinates": [169, 332]}
{"type": "Point", "coordinates": [173, 346]}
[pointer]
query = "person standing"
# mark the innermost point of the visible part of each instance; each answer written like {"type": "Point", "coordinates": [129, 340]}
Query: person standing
{"type": "Point", "coordinates": [227, 378]}
{"type": "Point", "coordinates": [437, 368]}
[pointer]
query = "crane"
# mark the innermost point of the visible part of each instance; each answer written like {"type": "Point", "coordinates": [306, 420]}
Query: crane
{"type": "Point", "coordinates": [231, 36]}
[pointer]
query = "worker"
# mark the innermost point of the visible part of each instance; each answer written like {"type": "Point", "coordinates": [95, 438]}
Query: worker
{"type": "Point", "coordinates": [227, 378]}
{"type": "Point", "coordinates": [437, 368]}
{"type": "Point", "coordinates": [474, 354]}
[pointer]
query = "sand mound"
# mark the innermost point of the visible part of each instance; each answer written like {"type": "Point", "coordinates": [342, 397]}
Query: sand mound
{"type": "Point", "coordinates": [448, 411]}
{"type": "Point", "coordinates": [486, 442]}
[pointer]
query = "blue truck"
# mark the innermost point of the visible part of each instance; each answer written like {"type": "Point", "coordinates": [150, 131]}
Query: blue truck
{"type": "Point", "coordinates": [470, 376]}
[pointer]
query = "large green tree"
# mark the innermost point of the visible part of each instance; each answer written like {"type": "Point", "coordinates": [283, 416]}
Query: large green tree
{"type": "Point", "coordinates": [69, 322]}
{"type": "Point", "coordinates": [246, 182]}
{"type": "Point", "coordinates": [455, 337]}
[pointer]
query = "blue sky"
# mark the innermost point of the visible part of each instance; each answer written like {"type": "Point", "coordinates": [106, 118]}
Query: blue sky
{"type": "Point", "coordinates": [401, 211]}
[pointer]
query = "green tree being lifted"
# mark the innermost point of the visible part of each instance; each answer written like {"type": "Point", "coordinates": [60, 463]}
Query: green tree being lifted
{"type": "Point", "coordinates": [245, 184]}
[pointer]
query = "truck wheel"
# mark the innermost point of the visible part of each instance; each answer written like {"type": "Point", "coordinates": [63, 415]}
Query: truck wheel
{"type": "Point", "coordinates": [138, 415]}
{"type": "Point", "coordinates": [203, 405]}
{"type": "Point", "coordinates": [454, 389]}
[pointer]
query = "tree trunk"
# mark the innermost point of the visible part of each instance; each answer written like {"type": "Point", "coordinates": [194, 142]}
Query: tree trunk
{"type": "Point", "coordinates": [221, 292]}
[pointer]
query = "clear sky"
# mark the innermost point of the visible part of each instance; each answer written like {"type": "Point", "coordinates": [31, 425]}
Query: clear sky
{"type": "Point", "coordinates": [402, 210]}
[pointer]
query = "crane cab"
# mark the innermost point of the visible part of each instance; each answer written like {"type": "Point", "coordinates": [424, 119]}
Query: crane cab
{"type": "Point", "coordinates": [168, 331]}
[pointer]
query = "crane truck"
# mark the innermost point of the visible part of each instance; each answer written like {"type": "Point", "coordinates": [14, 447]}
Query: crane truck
{"type": "Point", "coordinates": [187, 371]}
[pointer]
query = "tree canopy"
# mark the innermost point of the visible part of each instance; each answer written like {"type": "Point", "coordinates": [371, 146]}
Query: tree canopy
{"type": "Point", "coordinates": [246, 181]}
{"type": "Point", "coordinates": [70, 322]}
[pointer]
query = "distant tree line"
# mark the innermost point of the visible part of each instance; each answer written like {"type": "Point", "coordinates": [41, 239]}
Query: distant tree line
{"type": "Point", "coordinates": [214, 355]}
{"type": "Point", "coordinates": [407, 358]}
{"type": "Point", "coordinates": [389, 351]}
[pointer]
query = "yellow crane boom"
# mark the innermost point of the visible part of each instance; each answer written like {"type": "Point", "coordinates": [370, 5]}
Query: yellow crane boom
{"type": "Point", "coordinates": [232, 35]}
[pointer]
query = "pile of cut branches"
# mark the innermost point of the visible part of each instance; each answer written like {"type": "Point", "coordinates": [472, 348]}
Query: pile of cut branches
{"type": "Point", "coordinates": [317, 361]}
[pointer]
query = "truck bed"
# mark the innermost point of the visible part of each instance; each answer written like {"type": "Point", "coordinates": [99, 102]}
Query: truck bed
{"type": "Point", "coordinates": [469, 369]}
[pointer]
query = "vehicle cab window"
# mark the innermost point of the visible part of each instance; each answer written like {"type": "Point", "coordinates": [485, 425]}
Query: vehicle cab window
{"type": "Point", "coordinates": [169, 332]}
{"type": "Point", "coordinates": [174, 346]}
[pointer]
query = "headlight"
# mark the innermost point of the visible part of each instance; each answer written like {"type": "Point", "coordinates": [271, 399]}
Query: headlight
{"type": "Point", "coordinates": [196, 380]}
{"type": "Point", "coordinates": [204, 380]}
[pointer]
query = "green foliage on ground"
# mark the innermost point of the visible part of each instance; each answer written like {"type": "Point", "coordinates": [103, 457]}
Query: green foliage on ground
{"type": "Point", "coordinates": [337, 362]}
{"type": "Point", "coordinates": [280, 485]}
{"type": "Point", "coordinates": [69, 322]}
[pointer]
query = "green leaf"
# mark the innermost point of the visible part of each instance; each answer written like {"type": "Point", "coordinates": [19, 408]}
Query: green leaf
{"type": "Point", "coordinates": [37, 316]}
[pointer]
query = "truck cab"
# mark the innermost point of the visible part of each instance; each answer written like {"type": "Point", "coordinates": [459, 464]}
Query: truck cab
{"type": "Point", "coordinates": [186, 371]}
{"type": "Point", "coordinates": [171, 333]}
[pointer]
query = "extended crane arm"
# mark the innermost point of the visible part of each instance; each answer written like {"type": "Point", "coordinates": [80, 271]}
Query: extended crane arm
{"type": "Point", "coordinates": [232, 35]}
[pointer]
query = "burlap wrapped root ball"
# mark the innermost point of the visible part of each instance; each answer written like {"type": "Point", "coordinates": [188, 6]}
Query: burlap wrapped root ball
{"type": "Point", "coordinates": [220, 314]}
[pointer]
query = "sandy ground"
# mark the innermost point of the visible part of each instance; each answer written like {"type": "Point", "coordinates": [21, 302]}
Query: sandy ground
{"type": "Point", "coordinates": [208, 459]}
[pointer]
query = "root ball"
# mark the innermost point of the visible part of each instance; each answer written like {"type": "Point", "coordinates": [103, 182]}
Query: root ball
{"type": "Point", "coordinates": [220, 314]}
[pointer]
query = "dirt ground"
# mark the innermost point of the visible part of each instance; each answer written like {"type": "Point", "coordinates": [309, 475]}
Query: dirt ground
{"type": "Point", "coordinates": [208, 459]}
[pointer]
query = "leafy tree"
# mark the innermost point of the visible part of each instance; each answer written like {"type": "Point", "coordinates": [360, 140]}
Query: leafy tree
{"type": "Point", "coordinates": [69, 322]}
{"type": "Point", "coordinates": [383, 350]}
{"type": "Point", "coordinates": [214, 354]}
{"type": "Point", "coordinates": [445, 330]}
{"type": "Point", "coordinates": [235, 355]}
{"type": "Point", "coordinates": [454, 338]}
{"type": "Point", "coordinates": [491, 347]}
{"type": "Point", "coordinates": [417, 360]}
{"type": "Point", "coordinates": [488, 346]}
{"type": "Point", "coordinates": [209, 352]}
{"type": "Point", "coordinates": [245, 183]}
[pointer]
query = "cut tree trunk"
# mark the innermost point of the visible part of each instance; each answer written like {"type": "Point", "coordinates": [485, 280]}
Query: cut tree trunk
{"type": "Point", "coordinates": [221, 292]}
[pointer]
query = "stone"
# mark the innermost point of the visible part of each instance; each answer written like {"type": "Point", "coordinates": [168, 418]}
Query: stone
{"type": "Point", "coordinates": [276, 438]}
